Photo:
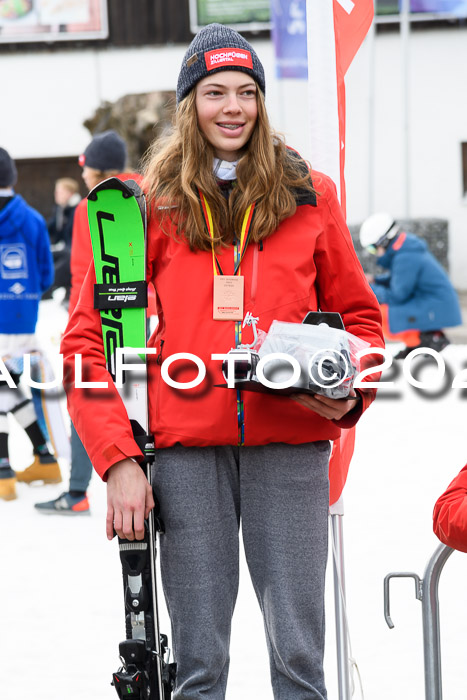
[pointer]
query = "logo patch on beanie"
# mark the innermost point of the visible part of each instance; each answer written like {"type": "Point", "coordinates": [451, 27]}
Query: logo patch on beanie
{"type": "Point", "coordinates": [228, 57]}
{"type": "Point", "coordinates": [82, 160]}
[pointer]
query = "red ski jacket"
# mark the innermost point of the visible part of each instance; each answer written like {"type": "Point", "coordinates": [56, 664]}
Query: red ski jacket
{"type": "Point", "coordinates": [308, 262]}
{"type": "Point", "coordinates": [450, 513]}
{"type": "Point", "coordinates": [81, 251]}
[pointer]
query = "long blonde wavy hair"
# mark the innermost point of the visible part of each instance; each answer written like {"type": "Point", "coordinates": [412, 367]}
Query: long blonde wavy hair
{"type": "Point", "coordinates": [178, 166]}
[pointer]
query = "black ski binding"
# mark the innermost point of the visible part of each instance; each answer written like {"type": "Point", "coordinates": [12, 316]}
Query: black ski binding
{"type": "Point", "coordinates": [146, 673]}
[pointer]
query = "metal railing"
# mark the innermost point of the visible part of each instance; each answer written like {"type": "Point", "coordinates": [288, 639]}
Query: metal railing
{"type": "Point", "coordinates": [343, 662]}
{"type": "Point", "coordinates": [426, 590]}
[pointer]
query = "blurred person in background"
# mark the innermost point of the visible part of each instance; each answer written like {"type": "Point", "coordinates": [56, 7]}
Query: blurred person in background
{"type": "Point", "coordinates": [417, 298]}
{"type": "Point", "coordinates": [26, 271]}
{"type": "Point", "coordinates": [60, 226]}
{"type": "Point", "coordinates": [104, 157]}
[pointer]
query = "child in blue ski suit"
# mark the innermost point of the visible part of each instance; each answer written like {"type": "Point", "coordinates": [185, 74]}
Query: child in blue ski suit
{"type": "Point", "coordinates": [26, 271]}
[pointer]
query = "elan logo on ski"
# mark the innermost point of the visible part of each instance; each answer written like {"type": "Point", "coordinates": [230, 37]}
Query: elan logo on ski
{"type": "Point", "coordinates": [128, 296]}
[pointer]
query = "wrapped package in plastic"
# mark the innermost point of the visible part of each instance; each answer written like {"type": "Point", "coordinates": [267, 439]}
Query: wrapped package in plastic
{"type": "Point", "coordinates": [326, 356]}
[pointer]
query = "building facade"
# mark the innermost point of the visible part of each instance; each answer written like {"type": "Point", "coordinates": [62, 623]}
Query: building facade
{"type": "Point", "coordinates": [406, 136]}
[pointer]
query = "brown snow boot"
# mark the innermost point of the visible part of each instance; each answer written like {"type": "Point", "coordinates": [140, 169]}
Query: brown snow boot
{"type": "Point", "coordinates": [40, 470]}
{"type": "Point", "coordinates": [7, 484]}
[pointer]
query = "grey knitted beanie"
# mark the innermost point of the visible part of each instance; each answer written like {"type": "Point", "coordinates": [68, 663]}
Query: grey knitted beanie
{"type": "Point", "coordinates": [8, 174]}
{"type": "Point", "coordinates": [107, 151]}
{"type": "Point", "coordinates": [216, 48]}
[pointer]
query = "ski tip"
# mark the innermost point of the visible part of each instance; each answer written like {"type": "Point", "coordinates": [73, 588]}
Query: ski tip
{"type": "Point", "coordinates": [128, 188]}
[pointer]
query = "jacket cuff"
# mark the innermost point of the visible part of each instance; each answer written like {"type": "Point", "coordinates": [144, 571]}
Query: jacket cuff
{"type": "Point", "coordinates": [113, 453]}
{"type": "Point", "coordinates": [352, 417]}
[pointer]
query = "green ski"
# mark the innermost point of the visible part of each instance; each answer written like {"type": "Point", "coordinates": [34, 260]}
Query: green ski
{"type": "Point", "coordinates": [117, 223]}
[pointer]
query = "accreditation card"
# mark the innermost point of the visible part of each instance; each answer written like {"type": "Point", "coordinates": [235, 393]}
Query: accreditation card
{"type": "Point", "coordinates": [228, 298]}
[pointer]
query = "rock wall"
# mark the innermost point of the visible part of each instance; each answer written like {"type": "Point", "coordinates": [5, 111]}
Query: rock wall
{"type": "Point", "coordinates": [139, 119]}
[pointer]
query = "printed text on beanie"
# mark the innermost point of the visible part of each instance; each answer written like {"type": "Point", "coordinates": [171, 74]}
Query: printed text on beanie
{"type": "Point", "coordinates": [227, 57]}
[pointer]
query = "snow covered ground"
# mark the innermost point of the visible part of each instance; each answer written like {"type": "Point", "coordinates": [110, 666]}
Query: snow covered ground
{"type": "Point", "coordinates": [61, 605]}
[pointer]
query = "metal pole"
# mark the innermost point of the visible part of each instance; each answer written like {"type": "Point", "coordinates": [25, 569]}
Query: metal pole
{"type": "Point", "coordinates": [426, 590]}
{"type": "Point", "coordinates": [405, 64]}
{"type": "Point", "coordinates": [343, 666]}
{"type": "Point", "coordinates": [371, 117]}
{"type": "Point", "coordinates": [155, 606]}
{"type": "Point", "coordinates": [430, 614]}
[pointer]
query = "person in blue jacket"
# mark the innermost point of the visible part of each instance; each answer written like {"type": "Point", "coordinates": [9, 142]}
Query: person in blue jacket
{"type": "Point", "coordinates": [416, 296]}
{"type": "Point", "coordinates": [26, 271]}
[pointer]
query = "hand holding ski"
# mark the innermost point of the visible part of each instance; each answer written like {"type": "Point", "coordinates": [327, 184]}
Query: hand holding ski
{"type": "Point", "coordinates": [129, 500]}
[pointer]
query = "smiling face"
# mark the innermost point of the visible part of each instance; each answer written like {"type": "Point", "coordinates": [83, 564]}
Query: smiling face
{"type": "Point", "coordinates": [227, 111]}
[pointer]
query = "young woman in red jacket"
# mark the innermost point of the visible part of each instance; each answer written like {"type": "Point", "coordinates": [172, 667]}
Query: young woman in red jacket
{"type": "Point", "coordinates": [222, 459]}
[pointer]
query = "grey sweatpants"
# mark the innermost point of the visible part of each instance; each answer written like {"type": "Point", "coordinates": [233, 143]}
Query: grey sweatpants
{"type": "Point", "coordinates": [280, 492]}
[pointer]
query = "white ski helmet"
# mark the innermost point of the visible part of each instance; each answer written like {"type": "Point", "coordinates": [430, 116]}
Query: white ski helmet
{"type": "Point", "coordinates": [377, 229]}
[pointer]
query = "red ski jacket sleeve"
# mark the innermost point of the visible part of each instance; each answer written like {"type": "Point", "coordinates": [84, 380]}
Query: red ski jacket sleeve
{"type": "Point", "coordinates": [111, 430]}
{"type": "Point", "coordinates": [341, 284]}
{"type": "Point", "coordinates": [450, 513]}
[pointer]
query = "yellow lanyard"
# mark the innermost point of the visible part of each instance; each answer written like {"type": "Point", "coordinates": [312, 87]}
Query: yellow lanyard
{"type": "Point", "coordinates": [244, 235]}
